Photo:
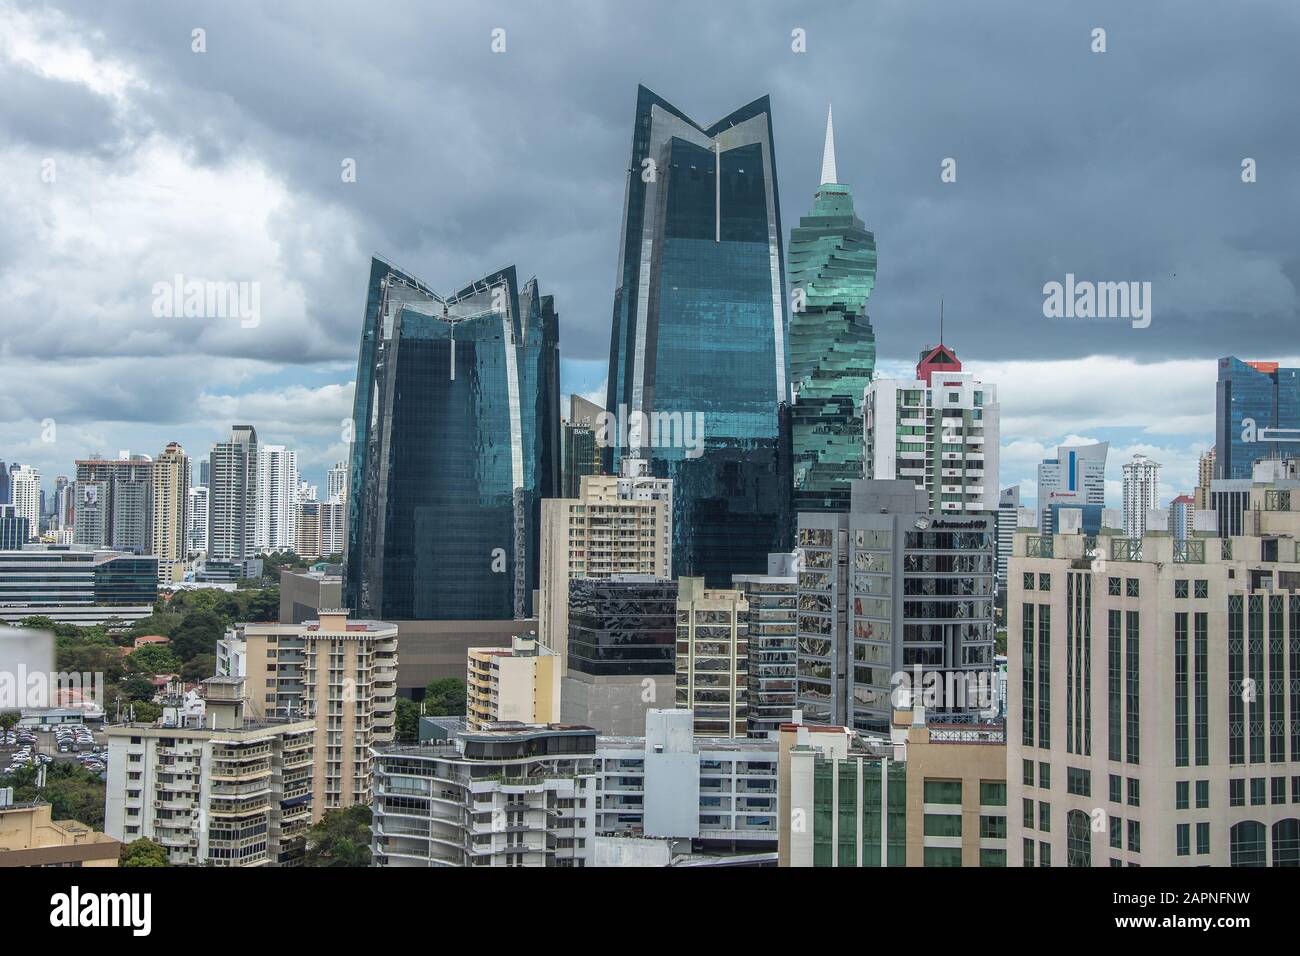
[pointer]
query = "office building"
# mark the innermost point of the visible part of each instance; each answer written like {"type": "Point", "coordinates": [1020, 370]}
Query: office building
{"type": "Point", "coordinates": [65, 504]}
{"type": "Point", "coordinates": [941, 433]}
{"type": "Point", "coordinates": [76, 585]}
{"type": "Point", "coordinates": [30, 836]}
{"type": "Point", "coordinates": [307, 531]}
{"type": "Point", "coordinates": [581, 455]}
{"type": "Point", "coordinates": [889, 588]}
{"type": "Point", "coordinates": [1118, 669]}
{"type": "Point", "coordinates": [621, 659]}
{"type": "Point", "coordinates": [1141, 494]}
{"type": "Point", "coordinates": [1008, 515]}
{"type": "Point", "coordinates": [773, 649]}
{"type": "Point", "coordinates": [446, 484]}
{"type": "Point", "coordinates": [25, 488]}
{"type": "Point", "coordinates": [113, 503]}
{"type": "Point", "coordinates": [1182, 513]}
{"type": "Point", "coordinates": [1257, 415]}
{"type": "Point", "coordinates": [615, 526]}
{"type": "Point", "coordinates": [832, 345]}
{"type": "Point", "coordinates": [236, 792]}
{"type": "Point", "coordinates": [6, 486]}
{"type": "Point", "coordinates": [232, 496]}
{"type": "Point", "coordinates": [930, 794]}
{"type": "Point", "coordinates": [713, 658]}
{"type": "Point", "coordinates": [1075, 477]}
{"type": "Point", "coordinates": [15, 531]}
{"type": "Point", "coordinates": [277, 498]}
{"type": "Point", "coordinates": [519, 683]}
{"type": "Point", "coordinates": [701, 299]}
{"type": "Point", "coordinates": [171, 496]}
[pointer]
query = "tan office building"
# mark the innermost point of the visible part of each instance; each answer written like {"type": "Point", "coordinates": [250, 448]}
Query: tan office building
{"type": "Point", "coordinates": [171, 494]}
{"type": "Point", "coordinates": [616, 526]}
{"type": "Point", "coordinates": [1123, 747]}
{"type": "Point", "coordinates": [517, 683]}
{"type": "Point", "coordinates": [712, 678]}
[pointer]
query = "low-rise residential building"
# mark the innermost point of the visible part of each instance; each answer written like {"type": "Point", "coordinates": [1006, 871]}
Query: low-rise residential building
{"type": "Point", "coordinates": [30, 836]}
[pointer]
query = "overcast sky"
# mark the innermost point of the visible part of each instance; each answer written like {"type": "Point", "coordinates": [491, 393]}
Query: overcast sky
{"type": "Point", "coordinates": [127, 158]}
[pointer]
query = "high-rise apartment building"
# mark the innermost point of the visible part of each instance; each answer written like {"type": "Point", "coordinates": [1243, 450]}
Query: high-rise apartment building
{"type": "Point", "coordinates": [1141, 494]}
{"type": "Point", "coordinates": [25, 484]}
{"type": "Point", "coordinates": [277, 498]}
{"type": "Point", "coordinates": [6, 487]}
{"type": "Point", "coordinates": [700, 300]}
{"type": "Point", "coordinates": [888, 588]}
{"type": "Point", "coordinates": [832, 345]}
{"type": "Point", "coordinates": [713, 658]}
{"type": "Point", "coordinates": [1204, 475]}
{"type": "Point", "coordinates": [1075, 477]}
{"type": "Point", "coordinates": [232, 496]}
{"type": "Point", "coordinates": [939, 431]}
{"type": "Point", "coordinates": [235, 792]}
{"type": "Point", "coordinates": [336, 481]}
{"type": "Point", "coordinates": [196, 520]}
{"type": "Point", "coordinates": [615, 526]}
{"type": "Point", "coordinates": [65, 504]}
{"type": "Point", "coordinates": [171, 498]}
{"type": "Point", "coordinates": [1182, 513]}
{"type": "Point", "coordinates": [1152, 710]}
{"type": "Point", "coordinates": [1257, 415]}
{"type": "Point", "coordinates": [773, 647]}
{"type": "Point", "coordinates": [1008, 520]}
{"type": "Point", "coordinates": [519, 683]}
{"type": "Point", "coordinates": [581, 454]}
{"type": "Point", "coordinates": [446, 484]}
{"type": "Point", "coordinates": [307, 531]}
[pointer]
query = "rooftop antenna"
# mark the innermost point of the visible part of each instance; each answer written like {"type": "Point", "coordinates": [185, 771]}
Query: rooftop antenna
{"type": "Point", "coordinates": [941, 320]}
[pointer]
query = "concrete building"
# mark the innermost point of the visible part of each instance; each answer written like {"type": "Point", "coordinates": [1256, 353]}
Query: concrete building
{"type": "Point", "coordinates": [615, 526]}
{"type": "Point", "coordinates": [1205, 468]}
{"type": "Point", "coordinates": [1123, 748]}
{"type": "Point", "coordinates": [232, 496]}
{"type": "Point", "coordinates": [939, 430]}
{"type": "Point", "coordinates": [114, 503]}
{"type": "Point", "coordinates": [30, 836]}
{"type": "Point", "coordinates": [520, 683]}
{"type": "Point", "coordinates": [888, 588]}
{"type": "Point", "coordinates": [1141, 494]}
{"type": "Point", "coordinates": [336, 481]}
{"type": "Point", "coordinates": [196, 521]}
{"type": "Point", "coordinates": [773, 642]}
{"type": "Point", "coordinates": [171, 498]}
{"type": "Point", "coordinates": [15, 531]}
{"type": "Point", "coordinates": [931, 794]}
{"type": "Point", "coordinates": [1008, 515]}
{"type": "Point", "coordinates": [340, 673]}
{"type": "Point", "coordinates": [236, 792]}
{"type": "Point", "coordinates": [579, 449]}
{"type": "Point", "coordinates": [25, 487]}
{"type": "Point", "coordinates": [76, 585]}
{"type": "Point", "coordinates": [622, 644]}
{"type": "Point", "coordinates": [712, 663]}
{"type": "Point", "coordinates": [307, 538]}
{"type": "Point", "coordinates": [277, 498]}
{"type": "Point", "coordinates": [1076, 476]}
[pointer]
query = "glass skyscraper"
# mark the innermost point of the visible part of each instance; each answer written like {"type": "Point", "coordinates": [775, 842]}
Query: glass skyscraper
{"type": "Point", "coordinates": [456, 441]}
{"type": "Point", "coordinates": [1267, 395]}
{"type": "Point", "coordinates": [699, 335]}
{"type": "Point", "coordinates": [832, 345]}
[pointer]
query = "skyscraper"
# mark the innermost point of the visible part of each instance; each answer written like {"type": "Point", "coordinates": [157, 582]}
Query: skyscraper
{"type": "Point", "coordinates": [581, 454]}
{"type": "Point", "coordinates": [1257, 415]}
{"type": "Point", "coordinates": [26, 491]}
{"type": "Point", "coordinates": [232, 496]}
{"type": "Point", "coordinates": [832, 345]}
{"type": "Point", "coordinates": [277, 498]}
{"type": "Point", "coordinates": [1075, 477]}
{"type": "Point", "coordinates": [697, 362]}
{"type": "Point", "coordinates": [1141, 493]}
{"type": "Point", "coordinates": [171, 494]}
{"type": "Point", "coordinates": [337, 481]}
{"type": "Point", "coordinates": [456, 442]}
{"type": "Point", "coordinates": [114, 500]}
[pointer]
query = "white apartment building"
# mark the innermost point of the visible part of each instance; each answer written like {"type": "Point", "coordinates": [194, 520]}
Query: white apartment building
{"type": "Point", "coordinates": [941, 434]}
{"type": "Point", "coordinates": [26, 490]}
{"type": "Point", "coordinates": [1141, 495]}
{"type": "Point", "coordinates": [196, 520]}
{"type": "Point", "coordinates": [277, 498]}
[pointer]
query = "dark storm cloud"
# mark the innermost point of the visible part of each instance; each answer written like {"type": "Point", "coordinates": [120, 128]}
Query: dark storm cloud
{"type": "Point", "coordinates": [1116, 166]}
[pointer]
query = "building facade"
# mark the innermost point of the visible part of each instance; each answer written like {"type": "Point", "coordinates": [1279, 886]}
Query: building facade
{"type": "Point", "coordinates": [232, 496]}
{"type": "Point", "coordinates": [1257, 415]}
{"type": "Point", "coordinates": [277, 498]}
{"type": "Point", "coordinates": [1075, 477]}
{"type": "Point", "coordinates": [519, 683]}
{"type": "Point", "coordinates": [446, 484]}
{"type": "Point", "coordinates": [773, 642]}
{"type": "Point", "coordinates": [713, 658]}
{"type": "Point", "coordinates": [1141, 494]}
{"type": "Point", "coordinates": [700, 299]}
{"type": "Point", "coordinates": [171, 499]}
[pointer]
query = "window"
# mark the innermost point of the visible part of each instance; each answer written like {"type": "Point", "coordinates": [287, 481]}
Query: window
{"type": "Point", "coordinates": [1135, 835]}
{"type": "Point", "coordinates": [1279, 790]}
{"type": "Point", "coordinates": [1202, 839]}
{"type": "Point", "coordinates": [1184, 839]}
{"type": "Point", "coordinates": [1029, 580]}
{"type": "Point", "coordinates": [1078, 781]}
{"type": "Point", "coordinates": [1182, 795]}
{"type": "Point", "coordinates": [943, 791]}
{"type": "Point", "coordinates": [1116, 789]}
{"type": "Point", "coordinates": [1202, 589]}
{"type": "Point", "coordinates": [1180, 588]}
{"type": "Point", "coordinates": [942, 856]}
{"type": "Point", "coordinates": [943, 825]}
{"type": "Point", "coordinates": [1295, 789]}
{"type": "Point", "coordinates": [1045, 775]}
{"type": "Point", "coordinates": [1236, 793]}
{"type": "Point", "coordinates": [1044, 854]}
{"type": "Point", "coordinates": [1257, 791]}
{"type": "Point", "coordinates": [1202, 794]}
{"type": "Point", "coordinates": [1078, 839]}
{"type": "Point", "coordinates": [1134, 792]}
{"type": "Point", "coordinates": [1027, 771]}
{"type": "Point", "coordinates": [1131, 588]}
{"type": "Point", "coordinates": [1246, 844]}
{"type": "Point", "coordinates": [1044, 816]}
{"type": "Point", "coordinates": [991, 857]}
{"type": "Point", "coordinates": [1044, 582]}
{"type": "Point", "coordinates": [1027, 807]}
{"type": "Point", "coordinates": [993, 828]}
{"type": "Point", "coordinates": [1029, 851]}
{"type": "Point", "coordinates": [993, 793]}
{"type": "Point", "coordinates": [1112, 587]}
{"type": "Point", "coordinates": [1117, 833]}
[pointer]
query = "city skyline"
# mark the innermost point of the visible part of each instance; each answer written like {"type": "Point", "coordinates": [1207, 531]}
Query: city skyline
{"type": "Point", "coordinates": [305, 236]}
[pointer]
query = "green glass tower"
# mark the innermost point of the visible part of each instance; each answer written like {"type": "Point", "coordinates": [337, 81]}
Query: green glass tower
{"type": "Point", "coordinates": [832, 268]}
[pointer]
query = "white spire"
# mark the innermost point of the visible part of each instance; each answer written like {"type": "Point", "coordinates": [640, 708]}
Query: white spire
{"type": "Point", "coordinates": [828, 152]}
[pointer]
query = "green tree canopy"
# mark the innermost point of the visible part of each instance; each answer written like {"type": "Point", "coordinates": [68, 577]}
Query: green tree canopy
{"type": "Point", "coordinates": [340, 838]}
{"type": "Point", "coordinates": [143, 852]}
{"type": "Point", "coordinates": [445, 697]}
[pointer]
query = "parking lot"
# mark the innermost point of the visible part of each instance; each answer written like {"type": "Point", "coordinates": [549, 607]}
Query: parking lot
{"type": "Point", "coordinates": [24, 746]}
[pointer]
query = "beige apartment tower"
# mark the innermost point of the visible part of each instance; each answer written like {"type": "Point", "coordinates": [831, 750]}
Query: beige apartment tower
{"type": "Point", "coordinates": [713, 658]}
{"type": "Point", "coordinates": [516, 683]}
{"type": "Point", "coordinates": [171, 495]}
{"type": "Point", "coordinates": [615, 526]}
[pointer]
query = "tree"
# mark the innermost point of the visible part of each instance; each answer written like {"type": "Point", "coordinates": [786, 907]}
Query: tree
{"type": "Point", "coordinates": [153, 659]}
{"type": "Point", "coordinates": [73, 792]}
{"type": "Point", "coordinates": [199, 668]}
{"type": "Point", "coordinates": [198, 634]}
{"type": "Point", "coordinates": [445, 697]}
{"type": "Point", "coordinates": [146, 711]}
{"type": "Point", "coordinates": [136, 687]}
{"type": "Point", "coordinates": [407, 724]}
{"type": "Point", "coordinates": [340, 838]}
{"type": "Point", "coordinates": [9, 719]}
{"type": "Point", "coordinates": [143, 852]}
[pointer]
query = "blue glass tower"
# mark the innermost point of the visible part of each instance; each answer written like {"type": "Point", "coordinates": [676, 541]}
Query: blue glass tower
{"type": "Point", "coordinates": [699, 334]}
{"type": "Point", "coordinates": [455, 442]}
{"type": "Point", "coordinates": [1265, 395]}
